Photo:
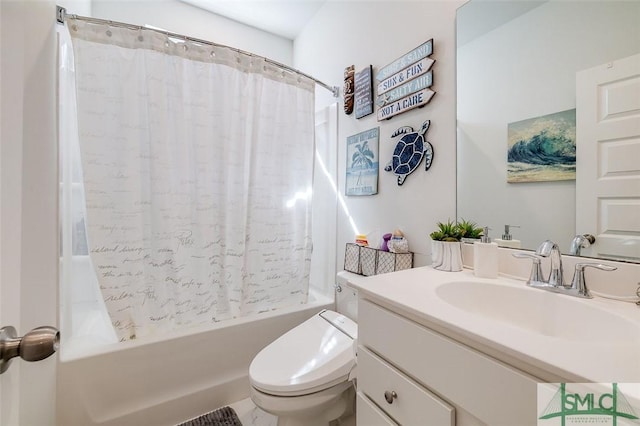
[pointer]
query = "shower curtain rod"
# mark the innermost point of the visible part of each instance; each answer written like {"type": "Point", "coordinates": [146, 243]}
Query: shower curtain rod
{"type": "Point", "coordinates": [61, 16]}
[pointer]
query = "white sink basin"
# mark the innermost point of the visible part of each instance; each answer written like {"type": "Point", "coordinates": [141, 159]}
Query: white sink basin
{"type": "Point", "coordinates": [542, 312]}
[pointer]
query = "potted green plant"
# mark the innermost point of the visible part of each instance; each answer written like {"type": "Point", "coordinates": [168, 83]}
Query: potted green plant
{"type": "Point", "coordinates": [446, 248]}
{"type": "Point", "coordinates": [470, 231]}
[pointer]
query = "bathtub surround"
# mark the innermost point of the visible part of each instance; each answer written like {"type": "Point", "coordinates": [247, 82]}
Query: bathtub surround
{"type": "Point", "coordinates": [129, 383]}
{"type": "Point", "coordinates": [197, 166]}
{"type": "Point", "coordinates": [165, 380]}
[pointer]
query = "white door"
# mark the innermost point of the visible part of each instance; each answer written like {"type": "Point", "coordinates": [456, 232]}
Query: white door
{"type": "Point", "coordinates": [28, 202]}
{"type": "Point", "coordinates": [608, 158]}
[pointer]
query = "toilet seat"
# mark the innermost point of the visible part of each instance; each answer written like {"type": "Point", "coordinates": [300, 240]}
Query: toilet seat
{"type": "Point", "coordinates": [311, 357]}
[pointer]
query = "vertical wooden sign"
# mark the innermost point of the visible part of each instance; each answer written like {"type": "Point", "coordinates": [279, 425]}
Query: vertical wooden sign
{"type": "Point", "coordinates": [364, 92]}
{"type": "Point", "coordinates": [348, 89]}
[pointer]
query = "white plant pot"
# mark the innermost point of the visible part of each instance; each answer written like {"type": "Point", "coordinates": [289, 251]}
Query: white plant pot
{"type": "Point", "coordinates": [446, 256]}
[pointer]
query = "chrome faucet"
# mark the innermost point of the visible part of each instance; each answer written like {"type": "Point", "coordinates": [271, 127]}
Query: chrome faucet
{"type": "Point", "coordinates": [579, 242]}
{"type": "Point", "coordinates": [550, 249]}
{"type": "Point", "coordinates": [555, 283]}
{"type": "Point", "coordinates": [578, 284]}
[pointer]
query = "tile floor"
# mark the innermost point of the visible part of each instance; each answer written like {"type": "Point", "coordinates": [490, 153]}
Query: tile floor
{"type": "Point", "coordinates": [250, 415]}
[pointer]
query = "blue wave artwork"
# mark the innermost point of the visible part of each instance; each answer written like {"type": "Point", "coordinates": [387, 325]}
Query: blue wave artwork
{"type": "Point", "coordinates": [542, 148]}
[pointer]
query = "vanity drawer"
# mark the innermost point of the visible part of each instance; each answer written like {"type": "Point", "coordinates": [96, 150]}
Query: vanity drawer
{"type": "Point", "coordinates": [411, 405]}
{"type": "Point", "coordinates": [368, 414]}
{"type": "Point", "coordinates": [465, 377]}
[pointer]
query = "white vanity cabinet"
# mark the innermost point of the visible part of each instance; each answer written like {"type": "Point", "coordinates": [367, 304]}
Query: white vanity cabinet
{"type": "Point", "coordinates": [411, 375]}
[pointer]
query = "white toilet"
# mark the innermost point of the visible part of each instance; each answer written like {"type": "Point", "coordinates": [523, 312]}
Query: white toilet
{"type": "Point", "coordinates": [306, 376]}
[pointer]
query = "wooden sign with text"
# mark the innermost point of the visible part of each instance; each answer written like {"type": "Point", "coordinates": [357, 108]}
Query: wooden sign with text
{"type": "Point", "coordinates": [404, 83]}
{"type": "Point", "coordinates": [364, 92]}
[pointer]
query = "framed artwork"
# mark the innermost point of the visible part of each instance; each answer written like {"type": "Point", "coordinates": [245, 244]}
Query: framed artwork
{"type": "Point", "coordinates": [362, 163]}
{"type": "Point", "coordinates": [542, 148]}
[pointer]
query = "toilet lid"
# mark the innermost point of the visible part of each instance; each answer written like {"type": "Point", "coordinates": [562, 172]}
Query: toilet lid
{"type": "Point", "coordinates": [309, 358]}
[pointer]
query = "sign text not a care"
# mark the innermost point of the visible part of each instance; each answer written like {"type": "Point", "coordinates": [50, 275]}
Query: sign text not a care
{"type": "Point", "coordinates": [402, 84]}
{"type": "Point", "coordinates": [407, 103]}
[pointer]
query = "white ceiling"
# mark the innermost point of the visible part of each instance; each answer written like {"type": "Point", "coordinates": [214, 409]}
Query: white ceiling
{"type": "Point", "coordinates": [285, 18]}
{"type": "Point", "coordinates": [478, 17]}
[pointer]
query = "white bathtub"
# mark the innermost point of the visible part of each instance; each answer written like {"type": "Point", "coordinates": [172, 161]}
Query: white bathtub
{"type": "Point", "coordinates": [164, 382]}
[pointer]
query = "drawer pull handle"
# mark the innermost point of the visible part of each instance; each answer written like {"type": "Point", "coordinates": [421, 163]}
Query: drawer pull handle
{"type": "Point", "coordinates": [390, 396]}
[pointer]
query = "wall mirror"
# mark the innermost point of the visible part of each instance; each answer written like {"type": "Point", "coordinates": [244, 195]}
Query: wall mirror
{"type": "Point", "coordinates": [518, 60]}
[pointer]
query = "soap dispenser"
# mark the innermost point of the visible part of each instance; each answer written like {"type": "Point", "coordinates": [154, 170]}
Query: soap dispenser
{"type": "Point", "coordinates": [485, 257]}
{"type": "Point", "coordinates": [507, 239]}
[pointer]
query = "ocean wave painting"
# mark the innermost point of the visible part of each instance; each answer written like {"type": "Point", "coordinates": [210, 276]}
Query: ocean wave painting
{"type": "Point", "coordinates": [542, 148]}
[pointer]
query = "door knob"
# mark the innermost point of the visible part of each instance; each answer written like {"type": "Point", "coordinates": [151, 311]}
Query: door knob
{"type": "Point", "coordinates": [38, 344]}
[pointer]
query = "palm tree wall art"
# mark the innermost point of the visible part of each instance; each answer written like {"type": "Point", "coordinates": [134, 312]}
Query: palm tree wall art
{"type": "Point", "coordinates": [362, 163]}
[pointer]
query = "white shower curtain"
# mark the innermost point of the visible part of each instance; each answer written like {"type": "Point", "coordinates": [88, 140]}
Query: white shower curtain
{"type": "Point", "coordinates": [197, 166]}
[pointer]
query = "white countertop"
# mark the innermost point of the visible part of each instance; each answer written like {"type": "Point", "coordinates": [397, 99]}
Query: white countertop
{"type": "Point", "coordinates": [604, 358]}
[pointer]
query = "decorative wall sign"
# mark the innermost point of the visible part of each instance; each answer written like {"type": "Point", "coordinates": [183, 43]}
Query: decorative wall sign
{"type": "Point", "coordinates": [542, 148]}
{"type": "Point", "coordinates": [403, 84]}
{"type": "Point", "coordinates": [409, 73]}
{"type": "Point", "coordinates": [405, 104]}
{"type": "Point", "coordinates": [364, 92]}
{"type": "Point", "coordinates": [362, 163]}
{"type": "Point", "coordinates": [409, 151]}
{"type": "Point", "coordinates": [406, 89]}
{"type": "Point", "coordinates": [348, 89]}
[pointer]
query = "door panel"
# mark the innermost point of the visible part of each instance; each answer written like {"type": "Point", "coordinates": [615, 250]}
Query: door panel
{"type": "Point", "coordinates": [608, 158]}
{"type": "Point", "coordinates": [28, 202]}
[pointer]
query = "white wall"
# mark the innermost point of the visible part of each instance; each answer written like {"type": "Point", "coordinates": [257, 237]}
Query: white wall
{"type": "Point", "coordinates": [376, 33]}
{"type": "Point", "coordinates": [181, 18]}
{"type": "Point", "coordinates": [551, 42]}
{"type": "Point", "coordinates": [76, 7]}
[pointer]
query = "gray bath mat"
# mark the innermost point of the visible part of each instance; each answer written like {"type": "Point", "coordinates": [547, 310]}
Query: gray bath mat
{"type": "Point", "coordinates": [224, 416]}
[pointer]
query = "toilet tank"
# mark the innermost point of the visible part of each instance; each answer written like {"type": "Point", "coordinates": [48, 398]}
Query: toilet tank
{"type": "Point", "coordinates": [346, 297]}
